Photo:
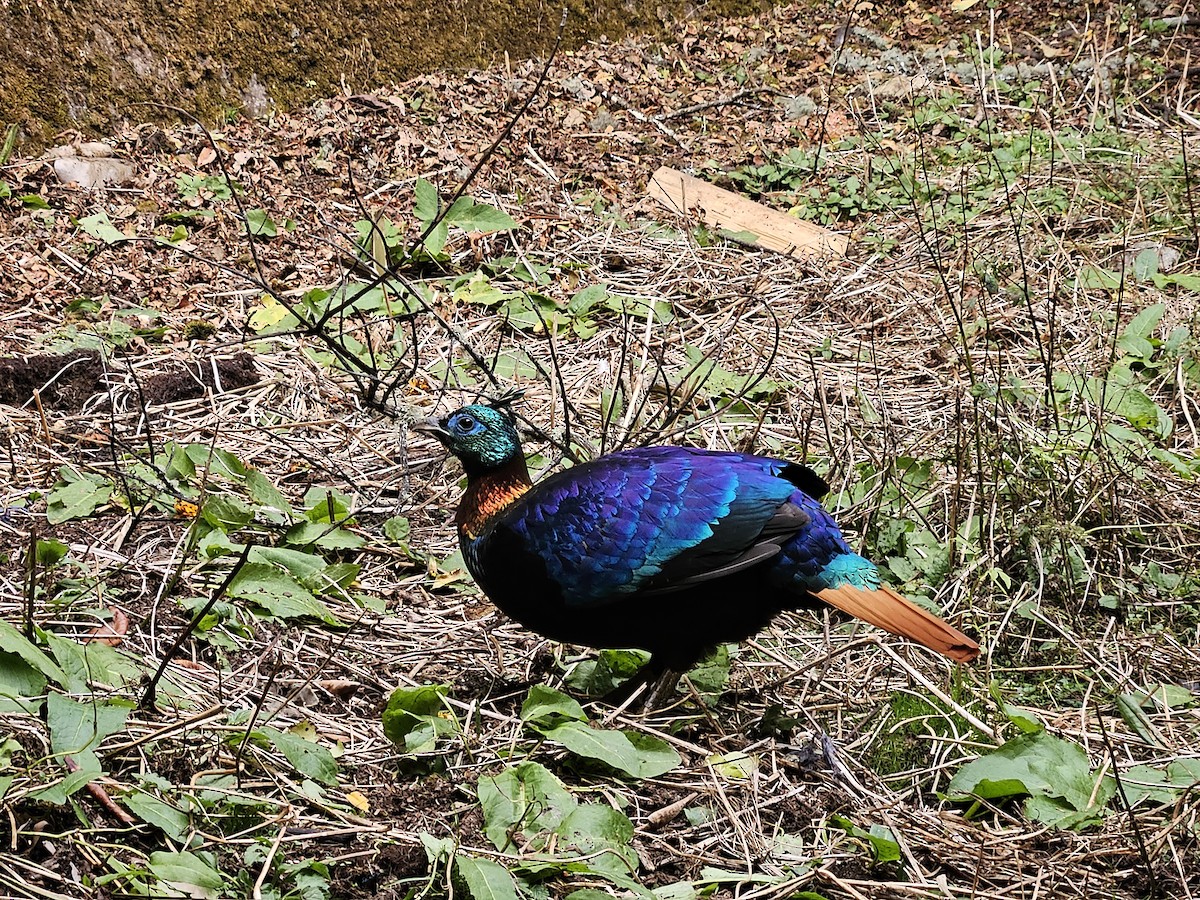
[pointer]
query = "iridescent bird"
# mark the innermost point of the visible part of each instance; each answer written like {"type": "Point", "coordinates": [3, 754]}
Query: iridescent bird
{"type": "Point", "coordinates": [667, 549]}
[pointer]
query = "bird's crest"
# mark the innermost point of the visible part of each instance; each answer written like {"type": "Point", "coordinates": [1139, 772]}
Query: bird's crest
{"type": "Point", "coordinates": [507, 399]}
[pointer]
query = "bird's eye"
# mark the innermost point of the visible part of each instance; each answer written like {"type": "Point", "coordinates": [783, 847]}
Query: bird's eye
{"type": "Point", "coordinates": [464, 424]}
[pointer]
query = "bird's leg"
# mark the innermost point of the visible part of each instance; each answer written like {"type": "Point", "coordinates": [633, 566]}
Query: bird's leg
{"type": "Point", "coordinates": [661, 689]}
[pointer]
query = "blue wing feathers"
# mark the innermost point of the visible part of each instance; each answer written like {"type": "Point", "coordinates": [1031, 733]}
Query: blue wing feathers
{"type": "Point", "coordinates": [651, 518]}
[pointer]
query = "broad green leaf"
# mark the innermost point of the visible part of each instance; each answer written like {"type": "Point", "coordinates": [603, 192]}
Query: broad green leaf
{"type": "Point", "coordinates": [416, 717]}
{"type": "Point", "coordinates": [1052, 772]}
{"type": "Point", "coordinates": [1135, 717]}
{"type": "Point", "coordinates": [425, 207]}
{"type": "Point", "coordinates": [195, 875]}
{"type": "Point", "coordinates": [271, 315]}
{"type": "Point", "coordinates": [1024, 720]}
{"type": "Point", "coordinates": [50, 552]}
{"type": "Point", "coordinates": [264, 493]}
{"type": "Point", "coordinates": [396, 529]}
{"type": "Point", "coordinates": [1166, 696]}
{"type": "Point", "coordinates": [335, 578]}
{"type": "Point", "coordinates": [76, 496]}
{"type": "Point", "coordinates": [711, 674]}
{"type": "Point", "coordinates": [310, 759]}
{"type": "Point", "coordinates": [78, 726]}
{"type": "Point", "coordinates": [59, 792]}
{"type": "Point", "coordinates": [172, 821]}
{"type": "Point", "coordinates": [602, 835]}
{"type": "Point", "coordinates": [226, 512]}
{"type": "Point", "coordinates": [99, 226]}
{"type": "Point", "coordinates": [478, 217]}
{"type": "Point", "coordinates": [21, 685]}
{"type": "Point", "coordinates": [484, 879]}
{"type": "Point", "coordinates": [683, 890]}
{"type": "Point", "coordinates": [278, 593]}
{"type": "Point", "coordinates": [323, 535]}
{"type": "Point", "coordinates": [327, 506]}
{"type": "Point", "coordinates": [93, 663]}
{"type": "Point", "coordinates": [217, 462]}
{"type": "Point", "coordinates": [1145, 265]}
{"type": "Point", "coordinates": [259, 224]}
{"type": "Point", "coordinates": [613, 748]}
{"type": "Point", "coordinates": [297, 563]}
{"type": "Point", "coordinates": [1135, 339]}
{"type": "Point", "coordinates": [437, 849]}
{"type": "Point", "coordinates": [12, 641]}
{"type": "Point", "coordinates": [586, 298]}
{"type": "Point", "coordinates": [522, 800]}
{"type": "Point", "coordinates": [883, 844]}
{"type": "Point", "coordinates": [607, 671]}
{"type": "Point", "coordinates": [544, 707]}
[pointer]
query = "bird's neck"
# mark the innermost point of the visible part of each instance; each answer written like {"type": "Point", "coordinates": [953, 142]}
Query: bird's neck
{"type": "Point", "coordinates": [490, 493]}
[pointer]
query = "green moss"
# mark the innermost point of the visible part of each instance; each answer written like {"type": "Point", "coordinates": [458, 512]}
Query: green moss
{"type": "Point", "coordinates": [200, 56]}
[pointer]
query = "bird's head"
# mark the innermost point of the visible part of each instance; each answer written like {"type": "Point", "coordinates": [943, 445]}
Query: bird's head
{"type": "Point", "coordinates": [482, 437]}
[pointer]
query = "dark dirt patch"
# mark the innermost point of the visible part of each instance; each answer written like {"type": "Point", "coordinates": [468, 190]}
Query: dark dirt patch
{"type": "Point", "coordinates": [62, 381]}
{"type": "Point", "coordinates": [189, 382]}
{"type": "Point", "coordinates": [382, 876]}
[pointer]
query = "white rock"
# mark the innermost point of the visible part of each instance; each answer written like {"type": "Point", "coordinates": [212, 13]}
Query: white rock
{"type": "Point", "coordinates": [90, 172]}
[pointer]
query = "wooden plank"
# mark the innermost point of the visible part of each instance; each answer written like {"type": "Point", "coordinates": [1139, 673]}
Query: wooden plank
{"type": "Point", "coordinates": [732, 212]}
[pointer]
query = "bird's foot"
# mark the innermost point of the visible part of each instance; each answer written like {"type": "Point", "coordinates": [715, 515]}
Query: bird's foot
{"type": "Point", "coordinates": [648, 690]}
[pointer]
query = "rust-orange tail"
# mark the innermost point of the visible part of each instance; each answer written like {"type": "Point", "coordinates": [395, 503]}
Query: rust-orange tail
{"type": "Point", "coordinates": [886, 609]}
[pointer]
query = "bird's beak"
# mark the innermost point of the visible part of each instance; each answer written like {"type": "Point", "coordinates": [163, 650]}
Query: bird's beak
{"type": "Point", "coordinates": [431, 426]}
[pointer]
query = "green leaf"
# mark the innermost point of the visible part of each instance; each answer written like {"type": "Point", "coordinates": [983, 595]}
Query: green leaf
{"type": "Point", "coordinates": [172, 821]}
{"type": "Point", "coordinates": [264, 493]}
{"type": "Point", "coordinates": [77, 727]}
{"type": "Point", "coordinates": [586, 298]}
{"type": "Point", "coordinates": [12, 641]}
{"type": "Point", "coordinates": [607, 671]}
{"type": "Point", "coordinates": [524, 799]}
{"type": "Point", "coordinates": [194, 875]}
{"type": "Point", "coordinates": [21, 685]}
{"type": "Point", "coordinates": [710, 676]}
{"type": "Point", "coordinates": [226, 512]}
{"type": "Point", "coordinates": [34, 201]}
{"type": "Point", "coordinates": [1145, 265]}
{"type": "Point", "coordinates": [735, 764]}
{"type": "Point", "coordinates": [76, 496]}
{"type": "Point", "coordinates": [279, 594]}
{"type": "Point", "coordinates": [613, 748]}
{"type": "Point", "coordinates": [1026, 721]}
{"type": "Point", "coordinates": [1166, 696]}
{"type": "Point", "coordinates": [1052, 772]}
{"type": "Point", "coordinates": [416, 717]}
{"type": "Point", "coordinates": [484, 879]}
{"type": "Point", "coordinates": [1130, 708]}
{"type": "Point", "coordinates": [426, 206]}
{"type": "Point", "coordinates": [50, 552]}
{"type": "Point", "coordinates": [601, 834]}
{"type": "Point", "coordinates": [309, 759]}
{"type": "Point", "coordinates": [93, 663]}
{"type": "Point", "coordinates": [478, 217]}
{"type": "Point", "coordinates": [545, 707]}
{"type": "Point", "coordinates": [297, 563]}
{"type": "Point", "coordinates": [259, 224]}
{"type": "Point", "coordinates": [1135, 339]}
{"type": "Point", "coordinates": [100, 227]}
{"type": "Point", "coordinates": [883, 844]}
{"type": "Point", "coordinates": [396, 529]}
